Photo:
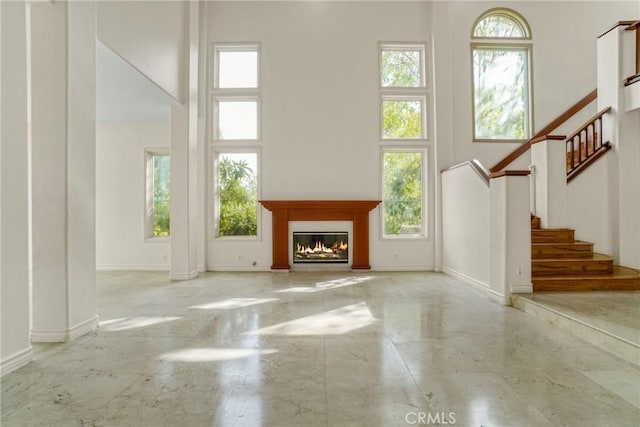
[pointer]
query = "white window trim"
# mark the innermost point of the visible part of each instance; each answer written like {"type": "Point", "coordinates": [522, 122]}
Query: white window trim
{"type": "Point", "coordinates": [404, 96]}
{"type": "Point", "coordinates": [231, 94]}
{"type": "Point", "coordinates": [421, 47]}
{"type": "Point", "coordinates": [234, 47]}
{"type": "Point", "coordinates": [512, 43]}
{"type": "Point", "coordinates": [148, 194]}
{"type": "Point", "coordinates": [517, 46]}
{"type": "Point", "coordinates": [214, 205]}
{"type": "Point", "coordinates": [425, 185]}
{"type": "Point", "coordinates": [236, 98]}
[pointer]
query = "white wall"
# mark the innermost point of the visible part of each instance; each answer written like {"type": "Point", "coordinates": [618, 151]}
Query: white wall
{"type": "Point", "coordinates": [465, 225]}
{"type": "Point", "coordinates": [120, 195]}
{"type": "Point", "coordinates": [15, 348]}
{"type": "Point", "coordinates": [564, 66]}
{"type": "Point", "coordinates": [320, 110]}
{"type": "Point", "coordinates": [150, 36]}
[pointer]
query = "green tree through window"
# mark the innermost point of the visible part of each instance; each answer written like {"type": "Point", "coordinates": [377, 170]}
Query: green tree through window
{"type": "Point", "coordinates": [402, 192]}
{"type": "Point", "coordinates": [238, 194]}
{"type": "Point", "coordinates": [501, 75]}
{"type": "Point", "coordinates": [161, 195]}
{"type": "Point", "coordinates": [402, 119]}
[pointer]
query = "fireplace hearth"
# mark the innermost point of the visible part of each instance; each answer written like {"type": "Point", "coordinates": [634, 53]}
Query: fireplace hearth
{"type": "Point", "coordinates": [320, 247]}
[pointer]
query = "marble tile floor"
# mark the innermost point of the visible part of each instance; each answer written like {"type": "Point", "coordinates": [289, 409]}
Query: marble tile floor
{"type": "Point", "coordinates": [316, 349]}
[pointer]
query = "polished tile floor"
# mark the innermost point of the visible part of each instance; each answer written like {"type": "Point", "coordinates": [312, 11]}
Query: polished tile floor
{"type": "Point", "coordinates": [317, 349]}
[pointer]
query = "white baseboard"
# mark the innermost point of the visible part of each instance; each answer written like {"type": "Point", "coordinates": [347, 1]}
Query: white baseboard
{"type": "Point", "coordinates": [65, 335]}
{"type": "Point", "coordinates": [16, 361]}
{"type": "Point", "coordinates": [82, 328]}
{"type": "Point", "coordinates": [467, 279]}
{"type": "Point", "coordinates": [184, 276]}
{"type": "Point", "coordinates": [493, 295]}
{"type": "Point", "coordinates": [240, 269]}
{"type": "Point", "coordinates": [132, 267]}
{"type": "Point", "coordinates": [401, 268]}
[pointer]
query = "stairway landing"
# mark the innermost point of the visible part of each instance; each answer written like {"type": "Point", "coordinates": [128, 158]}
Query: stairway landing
{"type": "Point", "coordinates": [608, 320]}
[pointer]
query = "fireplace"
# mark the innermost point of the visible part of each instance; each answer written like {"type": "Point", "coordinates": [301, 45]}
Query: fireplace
{"type": "Point", "coordinates": [320, 248]}
{"type": "Point", "coordinates": [355, 212]}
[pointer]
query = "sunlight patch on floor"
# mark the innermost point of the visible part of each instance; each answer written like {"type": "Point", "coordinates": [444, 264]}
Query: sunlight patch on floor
{"type": "Point", "coordinates": [213, 354]}
{"type": "Point", "coordinates": [329, 284]}
{"type": "Point", "coordinates": [233, 303]}
{"type": "Point", "coordinates": [334, 322]}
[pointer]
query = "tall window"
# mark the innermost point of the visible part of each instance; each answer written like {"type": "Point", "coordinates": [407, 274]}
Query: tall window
{"type": "Point", "coordinates": [501, 54]}
{"type": "Point", "coordinates": [236, 99]}
{"type": "Point", "coordinates": [236, 193]}
{"type": "Point", "coordinates": [236, 125]}
{"type": "Point", "coordinates": [158, 206]}
{"type": "Point", "coordinates": [403, 192]}
{"type": "Point", "coordinates": [402, 88]}
{"type": "Point", "coordinates": [403, 107]}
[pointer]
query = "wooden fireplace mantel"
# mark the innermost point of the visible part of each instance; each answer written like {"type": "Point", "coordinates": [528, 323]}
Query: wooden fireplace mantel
{"type": "Point", "coordinates": [284, 211]}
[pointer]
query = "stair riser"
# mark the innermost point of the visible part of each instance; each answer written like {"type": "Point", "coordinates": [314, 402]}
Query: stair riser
{"type": "Point", "coordinates": [571, 268]}
{"type": "Point", "coordinates": [561, 251]}
{"type": "Point", "coordinates": [552, 236]}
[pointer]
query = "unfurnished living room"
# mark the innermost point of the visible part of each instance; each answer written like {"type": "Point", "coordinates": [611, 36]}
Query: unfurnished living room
{"type": "Point", "coordinates": [331, 213]}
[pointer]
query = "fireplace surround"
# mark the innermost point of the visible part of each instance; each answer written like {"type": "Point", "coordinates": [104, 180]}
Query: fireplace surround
{"type": "Point", "coordinates": [356, 211]}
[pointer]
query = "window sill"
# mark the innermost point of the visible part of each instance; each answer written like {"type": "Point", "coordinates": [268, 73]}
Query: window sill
{"type": "Point", "coordinates": [160, 239]}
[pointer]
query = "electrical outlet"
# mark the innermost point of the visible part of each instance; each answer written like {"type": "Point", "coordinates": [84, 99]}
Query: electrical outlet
{"type": "Point", "coordinates": [519, 271]}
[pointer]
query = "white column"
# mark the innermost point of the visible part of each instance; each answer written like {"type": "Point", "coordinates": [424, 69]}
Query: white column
{"type": "Point", "coordinates": [622, 128]}
{"type": "Point", "coordinates": [63, 164]}
{"type": "Point", "coordinates": [14, 249]}
{"type": "Point", "coordinates": [510, 236]}
{"type": "Point", "coordinates": [550, 160]}
{"type": "Point", "coordinates": [184, 164]}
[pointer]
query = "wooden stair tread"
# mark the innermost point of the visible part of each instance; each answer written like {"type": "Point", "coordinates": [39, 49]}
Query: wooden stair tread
{"type": "Point", "coordinates": [575, 242]}
{"type": "Point", "coordinates": [594, 257]}
{"type": "Point", "coordinates": [619, 272]}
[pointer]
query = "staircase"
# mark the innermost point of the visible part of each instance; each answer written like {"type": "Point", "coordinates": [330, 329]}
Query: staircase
{"type": "Point", "coordinates": [561, 263]}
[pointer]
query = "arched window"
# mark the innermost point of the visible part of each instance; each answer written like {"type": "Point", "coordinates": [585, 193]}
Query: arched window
{"type": "Point", "coordinates": [501, 55]}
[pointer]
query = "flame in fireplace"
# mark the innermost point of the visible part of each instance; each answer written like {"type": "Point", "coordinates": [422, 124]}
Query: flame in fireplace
{"type": "Point", "coordinates": [319, 248]}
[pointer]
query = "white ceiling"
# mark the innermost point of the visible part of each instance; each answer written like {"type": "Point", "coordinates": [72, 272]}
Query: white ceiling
{"type": "Point", "coordinates": [125, 94]}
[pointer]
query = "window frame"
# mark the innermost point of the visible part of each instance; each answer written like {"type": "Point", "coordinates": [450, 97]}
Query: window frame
{"type": "Point", "coordinates": [424, 235]}
{"type": "Point", "coordinates": [149, 154]}
{"type": "Point", "coordinates": [216, 99]}
{"type": "Point", "coordinates": [406, 46]}
{"type": "Point", "coordinates": [234, 47]}
{"type": "Point", "coordinates": [395, 96]}
{"type": "Point", "coordinates": [525, 44]}
{"type": "Point", "coordinates": [214, 217]}
{"type": "Point", "coordinates": [217, 94]}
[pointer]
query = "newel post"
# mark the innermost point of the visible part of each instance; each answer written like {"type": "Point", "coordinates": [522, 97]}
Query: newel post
{"type": "Point", "coordinates": [549, 156]}
{"type": "Point", "coordinates": [510, 234]}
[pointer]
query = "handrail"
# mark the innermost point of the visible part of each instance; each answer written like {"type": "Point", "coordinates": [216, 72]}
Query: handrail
{"type": "Point", "coordinates": [590, 121]}
{"type": "Point", "coordinates": [585, 145]}
{"type": "Point", "coordinates": [477, 167]}
{"type": "Point", "coordinates": [546, 130]}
